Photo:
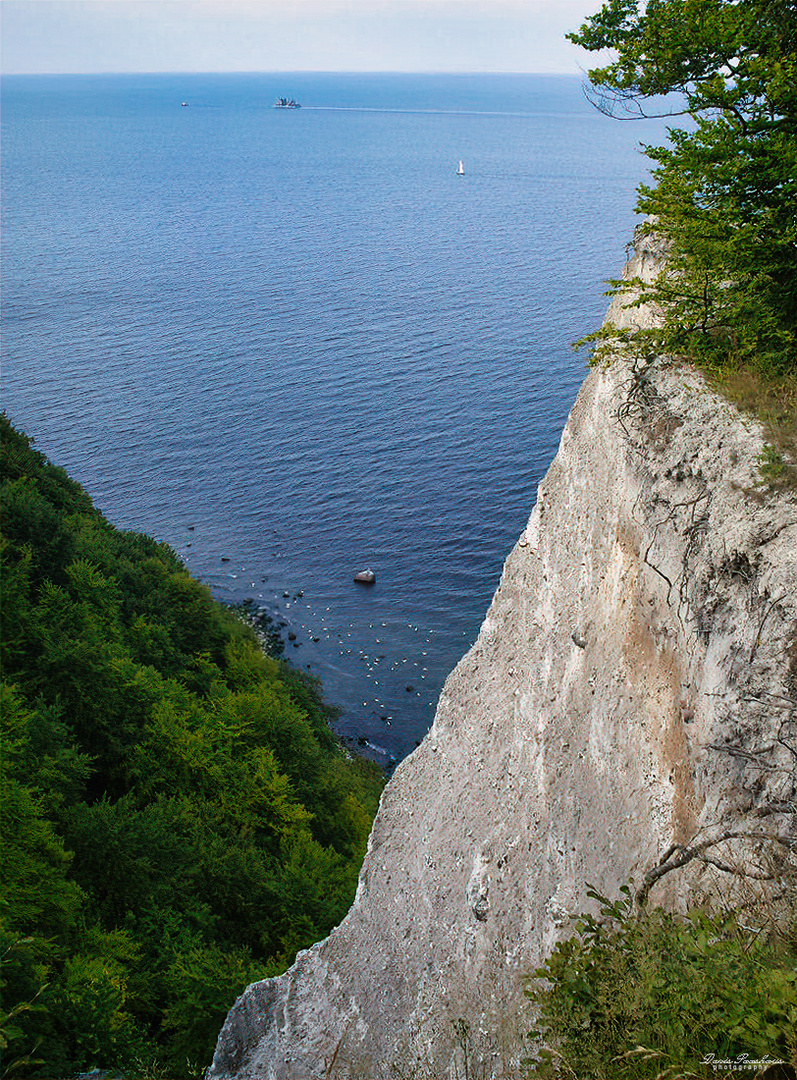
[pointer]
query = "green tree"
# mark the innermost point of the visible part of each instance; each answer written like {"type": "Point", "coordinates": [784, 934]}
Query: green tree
{"type": "Point", "coordinates": [726, 186]}
{"type": "Point", "coordinates": [203, 982]}
{"type": "Point", "coordinates": [39, 904]}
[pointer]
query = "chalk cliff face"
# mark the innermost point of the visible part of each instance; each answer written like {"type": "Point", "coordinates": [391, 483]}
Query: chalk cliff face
{"type": "Point", "coordinates": [626, 692]}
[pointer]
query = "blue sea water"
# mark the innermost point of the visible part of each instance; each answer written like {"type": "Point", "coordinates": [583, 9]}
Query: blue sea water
{"type": "Point", "coordinates": [294, 343]}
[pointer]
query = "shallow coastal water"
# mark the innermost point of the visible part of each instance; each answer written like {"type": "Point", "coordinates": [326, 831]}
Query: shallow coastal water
{"type": "Point", "coordinates": [295, 344]}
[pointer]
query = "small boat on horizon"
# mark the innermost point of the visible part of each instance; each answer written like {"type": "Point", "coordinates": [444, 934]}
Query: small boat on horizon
{"type": "Point", "coordinates": [461, 169]}
{"type": "Point", "coordinates": [286, 103]}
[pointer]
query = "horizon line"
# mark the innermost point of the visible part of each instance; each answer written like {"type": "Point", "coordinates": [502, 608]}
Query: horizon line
{"type": "Point", "coordinates": [287, 71]}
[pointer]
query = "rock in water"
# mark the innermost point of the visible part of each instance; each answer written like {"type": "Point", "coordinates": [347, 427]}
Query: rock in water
{"type": "Point", "coordinates": [365, 577]}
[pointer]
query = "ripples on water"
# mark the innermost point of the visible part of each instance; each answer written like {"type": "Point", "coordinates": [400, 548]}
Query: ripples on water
{"type": "Point", "coordinates": [298, 342]}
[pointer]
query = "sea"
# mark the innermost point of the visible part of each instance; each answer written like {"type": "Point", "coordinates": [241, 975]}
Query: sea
{"type": "Point", "coordinates": [295, 344]}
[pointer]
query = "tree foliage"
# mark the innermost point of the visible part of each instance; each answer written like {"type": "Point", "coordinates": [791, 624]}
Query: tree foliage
{"type": "Point", "coordinates": [648, 993]}
{"type": "Point", "coordinates": [725, 187]}
{"type": "Point", "coordinates": [177, 816]}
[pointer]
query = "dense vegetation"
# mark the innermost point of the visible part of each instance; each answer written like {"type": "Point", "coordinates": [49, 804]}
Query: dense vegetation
{"type": "Point", "coordinates": [636, 994]}
{"type": "Point", "coordinates": [177, 816]}
{"type": "Point", "coordinates": [725, 188]}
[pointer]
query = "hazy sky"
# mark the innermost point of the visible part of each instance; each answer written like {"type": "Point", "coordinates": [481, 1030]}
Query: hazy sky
{"type": "Point", "coordinates": [40, 36]}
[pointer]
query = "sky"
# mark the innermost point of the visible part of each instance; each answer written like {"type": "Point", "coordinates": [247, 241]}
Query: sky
{"type": "Point", "coordinates": [77, 36]}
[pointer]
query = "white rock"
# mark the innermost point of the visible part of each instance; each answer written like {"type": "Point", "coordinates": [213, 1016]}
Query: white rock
{"type": "Point", "coordinates": [682, 584]}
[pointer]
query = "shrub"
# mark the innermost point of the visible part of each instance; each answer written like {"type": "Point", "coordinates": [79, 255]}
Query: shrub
{"type": "Point", "coordinates": [646, 993]}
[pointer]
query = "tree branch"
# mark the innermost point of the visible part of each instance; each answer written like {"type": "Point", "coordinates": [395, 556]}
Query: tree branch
{"type": "Point", "coordinates": [679, 855]}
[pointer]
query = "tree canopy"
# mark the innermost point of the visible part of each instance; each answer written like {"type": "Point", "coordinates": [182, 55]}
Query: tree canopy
{"type": "Point", "coordinates": [725, 187]}
{"type": "Point", "coordinates": [176, 815]}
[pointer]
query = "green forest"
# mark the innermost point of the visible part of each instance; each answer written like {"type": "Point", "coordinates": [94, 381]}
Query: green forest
{"type": "Point", "coordinates": [178, 818]}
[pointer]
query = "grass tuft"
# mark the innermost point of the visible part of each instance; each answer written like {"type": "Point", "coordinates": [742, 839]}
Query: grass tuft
{"type": "Point", "coordinates": [773, 401]}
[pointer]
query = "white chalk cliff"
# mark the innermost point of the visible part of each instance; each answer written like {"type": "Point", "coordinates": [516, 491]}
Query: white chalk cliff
{"type": "Point", "coordinates": [627, 691]}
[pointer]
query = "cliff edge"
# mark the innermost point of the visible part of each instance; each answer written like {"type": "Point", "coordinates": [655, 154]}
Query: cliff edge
{"type": "Point", "coordinates": [632, 687]}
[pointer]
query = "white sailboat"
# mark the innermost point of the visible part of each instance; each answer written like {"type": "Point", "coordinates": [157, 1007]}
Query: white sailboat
{"type": "Point", "coordinates": [461, 170]}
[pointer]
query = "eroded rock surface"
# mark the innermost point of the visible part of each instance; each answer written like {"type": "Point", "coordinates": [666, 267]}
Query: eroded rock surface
{"type": "Point", "coordinates": [633, 673]}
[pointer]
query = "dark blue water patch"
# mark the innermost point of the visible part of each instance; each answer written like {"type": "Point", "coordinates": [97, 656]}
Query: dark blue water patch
{"type": "Point", "coordinates": [295, 343]}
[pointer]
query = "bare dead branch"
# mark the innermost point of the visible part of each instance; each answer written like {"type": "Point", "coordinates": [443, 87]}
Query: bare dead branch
{"type": "Point", "coordinates": [753, 760]}
{"type": "Point", "coordinates": [623, 105]}
{"type": "Point", "coordinates": [728, 869]}
{"type": "Point", "coordinates": [679, 855]}
{"type": "Point", "coordinates": [775, 808]}
{"type": "Point", "coordinates": [764, 618]}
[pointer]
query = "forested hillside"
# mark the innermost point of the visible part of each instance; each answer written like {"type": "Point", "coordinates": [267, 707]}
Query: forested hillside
{"type": "Point", "coordinates": [177, 816]}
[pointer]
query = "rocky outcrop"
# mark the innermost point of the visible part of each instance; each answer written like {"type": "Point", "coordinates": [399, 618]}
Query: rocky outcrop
{"type": "Point", "coordinates": [631, 688]}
